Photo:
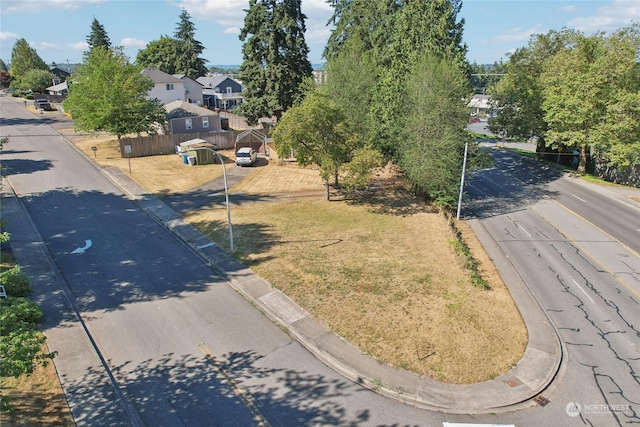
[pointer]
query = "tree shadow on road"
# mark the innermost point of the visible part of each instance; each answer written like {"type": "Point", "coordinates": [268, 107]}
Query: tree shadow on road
{"type": "Point", "coordinates": [512, 184]}
{"type": "Point", "coordinates": [233, 389]}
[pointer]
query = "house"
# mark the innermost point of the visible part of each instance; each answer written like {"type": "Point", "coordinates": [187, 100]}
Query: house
{"type": "Point", "coordinates": [61, 75]}
{"type": "Point", "coordinates": [58, 89]}
{"type": "Point", "coordinates": [192, 89]}
{"type": "Point", "coordinates": [221, 91]}
{"type": "Point", "coordinates": [480, 105]}
{"type": "Point", "coordinates": [184, 117]}
{"type": "Point", "coordinates": [166, 88]}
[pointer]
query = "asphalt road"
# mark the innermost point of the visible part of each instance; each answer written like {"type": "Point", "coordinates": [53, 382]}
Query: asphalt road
{"type": "Point", "coordinates": [576, 247]}
{"type": "Point", "coordinates": [178, 346]}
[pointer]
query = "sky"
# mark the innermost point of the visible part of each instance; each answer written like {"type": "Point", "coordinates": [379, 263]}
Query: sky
{"type": "Point", "coordinates": [58, 29]}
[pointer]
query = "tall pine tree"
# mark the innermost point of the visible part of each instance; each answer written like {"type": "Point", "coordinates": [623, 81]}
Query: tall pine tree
{"type": "Point", "coordinates": [98, 36]}
{"type": "Point", "coordinates": [188, 61]}
{"type": "Point", "coordinates": [275, 58]}
{"type": "Point", "coordinates": [24, 58]}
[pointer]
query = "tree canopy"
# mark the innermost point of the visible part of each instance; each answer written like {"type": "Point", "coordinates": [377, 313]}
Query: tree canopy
{"type": "Point", "coordinates": [109, 94]}
{"type": "Point", "coordinates": [98, 36]}
{"type": "Point", "coordinates": [518, 95]}
{"type": "Point", "coordinates": [433, 132]}
{"type": "Point", "coordinates": [187, 59]}
{"type": "Point", "coordinates": [591, 97]}
{"type": "Point", "coordinates": [176, 55]}
{"type": "Point", "coordinates": [24, 58]}
{"type": "Point", "coordinates": [37, 80]}
{"type": "Point", "coordinates": [574, 92]}
{"type": "Point", "coordinates": [318, 133]}
{"type": "Point", "coordinates": [160, 54]}
{"type": "Point", "coordinates": [274, 58]}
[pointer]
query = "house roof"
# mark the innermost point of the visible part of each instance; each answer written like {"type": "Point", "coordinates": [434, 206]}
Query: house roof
{"type": "Point", "coordinates": [214, 81]}
{"type": "Point", "coordinates": [184, 76]}
{"type": "Point", "coordinates": [58, 88]}
{"type": "Point", "coordinates": [159, 77]}
{"type": "Point", "coordinates": [180, 108]}
{"type": "Point", "coordinates": [480, 101]}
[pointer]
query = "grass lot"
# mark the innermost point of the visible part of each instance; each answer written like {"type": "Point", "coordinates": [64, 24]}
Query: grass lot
{"type": "Point", "coordinates": [380, 270]}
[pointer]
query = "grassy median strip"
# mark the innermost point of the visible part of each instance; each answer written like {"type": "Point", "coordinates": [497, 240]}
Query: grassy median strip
{"type": "Point", "coordinates": [381, 273]}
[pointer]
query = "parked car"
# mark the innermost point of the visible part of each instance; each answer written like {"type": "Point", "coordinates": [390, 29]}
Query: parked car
{"type": "Point", "coordinates": [246, 156]}
{"type": "Point", "coordinates": [474, 120]}
{"type": "Point", "coordinates": [42, 104]}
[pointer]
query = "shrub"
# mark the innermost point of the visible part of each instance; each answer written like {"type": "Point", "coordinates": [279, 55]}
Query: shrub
{"type": "Point", "coordinates": [15, 284]}
{"type": "Point", "coordinates": [18, 313]}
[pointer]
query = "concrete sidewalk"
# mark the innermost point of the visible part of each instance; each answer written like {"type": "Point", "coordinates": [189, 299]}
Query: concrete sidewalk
{"type": "Point", "coordinates": [528, 379]}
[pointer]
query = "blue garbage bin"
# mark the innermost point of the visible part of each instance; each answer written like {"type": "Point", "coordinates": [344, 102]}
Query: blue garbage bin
{"type": "Point", "coordinates": [185, 159]}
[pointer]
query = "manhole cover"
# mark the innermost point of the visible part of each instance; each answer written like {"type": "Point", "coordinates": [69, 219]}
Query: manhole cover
{"type": "Point", "coordinates": [513, 382]}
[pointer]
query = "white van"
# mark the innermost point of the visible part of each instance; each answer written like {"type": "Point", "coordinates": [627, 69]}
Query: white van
{"type": "Point", "coordinates": [246, 156]}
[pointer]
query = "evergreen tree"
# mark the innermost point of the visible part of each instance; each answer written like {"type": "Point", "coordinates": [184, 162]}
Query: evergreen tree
{"type": "Point", "coordinates": [24, 59]}
{"type": "Point", "coordinates": [275, 58]}
{"type": "Point", "coordinates": [98, 36]}
{"type": "Point", "coordinates": [188, 61]}
{"type": "Point", "coordinates": [3, 66]}
{"type": "Point", "coordinates": [416, 28]}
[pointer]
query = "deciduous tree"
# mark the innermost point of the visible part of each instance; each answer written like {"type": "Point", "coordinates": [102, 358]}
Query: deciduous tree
{"type": "Point", "coordinates": [37, 80]}
{"type": "Point", "coordinates": [109, 94]}
{"type": "Point", "coordinates": [591, 97]}
{"type": "Point", "coordinates": [518, 95]}
{"type": "Point", "coordinates": [434, 128]}
{"type": "Point", "coordinates": [160, 54]}
{"type": "Point", "coordinates": [318, 133]}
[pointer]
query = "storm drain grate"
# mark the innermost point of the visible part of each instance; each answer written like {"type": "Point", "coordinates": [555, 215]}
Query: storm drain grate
{"type": "Point", "coordinates": [541, 400]}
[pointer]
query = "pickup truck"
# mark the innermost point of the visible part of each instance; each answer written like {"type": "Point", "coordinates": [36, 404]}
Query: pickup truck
{"type": "Point", "coordinates": [42, 104]}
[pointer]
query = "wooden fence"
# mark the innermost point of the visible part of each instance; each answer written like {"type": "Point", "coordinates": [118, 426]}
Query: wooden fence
{"type": "Point", "coordinates": [166, 144]}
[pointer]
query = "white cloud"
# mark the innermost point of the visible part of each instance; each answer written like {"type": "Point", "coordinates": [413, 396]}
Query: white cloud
{"type": "Point", "coordinates": [618, 13]}
{"type": "Point", "coordinates": [37, 6]}
{"type": "Point", "coordinates": [129, 42]}
{"type": "Point", "coordinates": [514, 35]}
{"type": "Point", "coordinates": [229, 14]}
{"type": "Point", "coordinates": [8, 36]}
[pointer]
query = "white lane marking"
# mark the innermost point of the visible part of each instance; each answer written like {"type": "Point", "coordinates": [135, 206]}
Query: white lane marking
{"type": "Point", "coordinates": [583, 291]}
{"type": "Point", "coordinates": [446, 424]}
{"type": "Point", "coordinates": [582, 200]}
{"type": "Point", "coordinates": [523, 229]}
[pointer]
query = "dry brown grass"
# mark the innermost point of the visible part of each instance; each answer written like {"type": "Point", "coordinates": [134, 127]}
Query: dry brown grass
{"type": "Point", "coordinates": [37, 400]}
{"type": "Point", "coordinates": [382, 273]}
{"type": "Point", "coordinates": [157, 174]}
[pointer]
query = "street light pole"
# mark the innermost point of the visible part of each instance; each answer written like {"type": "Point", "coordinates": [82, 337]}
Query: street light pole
{"type": "Point", "coordinates": [464, 166]}
{"type": "Point", "coordinates": [226, 189]}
